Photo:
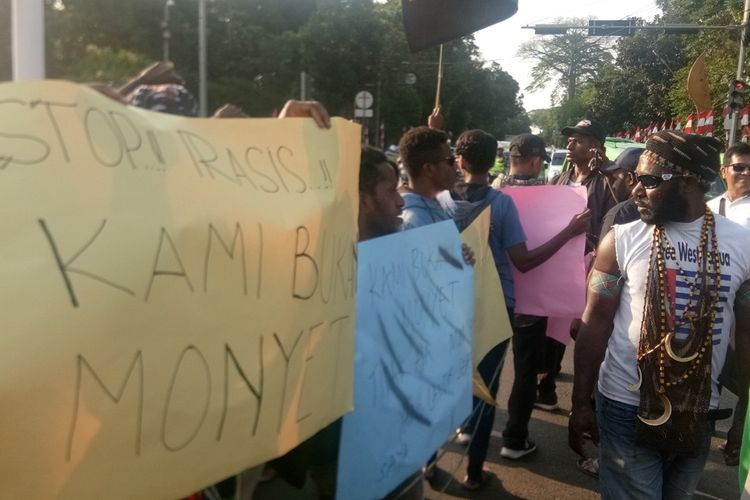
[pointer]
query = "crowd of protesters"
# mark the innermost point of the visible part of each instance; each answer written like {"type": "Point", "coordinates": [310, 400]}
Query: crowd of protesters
{"type": "Point", "coordinates": [667, 319]}
{"type": "Point", "coordinates": [661, 328]}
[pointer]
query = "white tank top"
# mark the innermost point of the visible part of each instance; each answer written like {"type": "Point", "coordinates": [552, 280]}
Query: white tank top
{"type": "Point", "coordinates": [632, 244]}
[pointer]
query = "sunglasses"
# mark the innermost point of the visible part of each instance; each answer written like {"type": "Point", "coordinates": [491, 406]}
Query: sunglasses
{"type": "Point", "coordinates": [738, 168]}
{"type": "Point", "coordinates": [651, 181]}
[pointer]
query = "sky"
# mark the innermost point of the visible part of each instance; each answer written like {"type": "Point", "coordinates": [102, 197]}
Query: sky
{"type": "Point", "coordinates": [500, 42]}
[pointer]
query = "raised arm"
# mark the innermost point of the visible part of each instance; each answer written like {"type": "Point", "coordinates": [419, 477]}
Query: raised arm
{"type": "Point", "coordinates": [526, 260]}
{"type": "Point", "coordinates": [307, 109]}
{"type": "Point", "coordinates": [602, 301]}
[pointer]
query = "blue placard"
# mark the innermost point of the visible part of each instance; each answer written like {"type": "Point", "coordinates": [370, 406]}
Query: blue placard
{"type": "Point", "coordinates": [412, 376]}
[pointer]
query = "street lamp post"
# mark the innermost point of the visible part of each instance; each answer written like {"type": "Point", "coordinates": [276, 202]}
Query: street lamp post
{"type": "Point", "coordinates": [165, 34]}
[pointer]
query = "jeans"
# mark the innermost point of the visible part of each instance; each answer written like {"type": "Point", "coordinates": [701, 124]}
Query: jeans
{"type": "Point", "coordinates": [528, 356]}
{"type": "Point", "coordinates": [629, 471]}
{"type": "Point", "coordinates": [554, 352]}
{"type": "Point", "coordinates": [483, 414]}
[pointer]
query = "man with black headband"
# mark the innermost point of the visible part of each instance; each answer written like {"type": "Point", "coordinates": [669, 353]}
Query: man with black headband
{"type": "Point", "coordinates": [671, 283]}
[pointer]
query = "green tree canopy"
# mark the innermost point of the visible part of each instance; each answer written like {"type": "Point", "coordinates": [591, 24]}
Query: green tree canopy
{"type": "Point", "coordinates": [258, 48]}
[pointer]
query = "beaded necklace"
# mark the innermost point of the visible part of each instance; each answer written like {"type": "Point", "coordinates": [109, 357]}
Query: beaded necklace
{"type": "Point", "coordinates": [658, 327]}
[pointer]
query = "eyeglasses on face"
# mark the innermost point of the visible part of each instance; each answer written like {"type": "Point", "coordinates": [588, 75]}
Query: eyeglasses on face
{"type": "Point", "coordinates": [651, 181]}
{"type": "Point", "coordinates": [738, 168]}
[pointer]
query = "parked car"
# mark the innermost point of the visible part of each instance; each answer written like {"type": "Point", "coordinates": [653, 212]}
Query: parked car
{"type": "Point", "coordinates": [555, 166]}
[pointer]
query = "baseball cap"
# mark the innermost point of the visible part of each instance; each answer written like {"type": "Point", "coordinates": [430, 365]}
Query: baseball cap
{"type": "Point", "coordinates": [529, 145]}
{"type": "Point", "coordinates": [586, 127]}
{"type": "Point", "coordinates": [627, 160]}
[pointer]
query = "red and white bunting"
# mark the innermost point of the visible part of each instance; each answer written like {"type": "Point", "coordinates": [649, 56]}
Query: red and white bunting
{"type": "Point", "coordinates": [689, 124]}
{"type": "Point", "coordinates": [701, 128]}
{"type": "Point", "coordinates": [709, 130]}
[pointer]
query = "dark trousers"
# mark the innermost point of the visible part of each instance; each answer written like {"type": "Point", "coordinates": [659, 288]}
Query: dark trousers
{"type": "Point", "coordinates": [554, 352]}
{"type": "Point", "coordinates": [483, 414]}
{"type": "Point", "coordinates": [528, 358]}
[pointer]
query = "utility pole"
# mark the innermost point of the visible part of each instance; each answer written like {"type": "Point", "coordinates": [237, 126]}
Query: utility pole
{"type": "Point", "coordinates": [165, 34]}
{"type": "Point", "coordinates": [740, 68]}
{"type": "Point", "coordinates": [27, 39]}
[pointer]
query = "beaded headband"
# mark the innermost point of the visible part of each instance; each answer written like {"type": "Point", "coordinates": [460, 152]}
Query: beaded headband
{"type": "Point", "coordinates": [686, 153]}
{"type": "Point", "coordinates": [672, 167]}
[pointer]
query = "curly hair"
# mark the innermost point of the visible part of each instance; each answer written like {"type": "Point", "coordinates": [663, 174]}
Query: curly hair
{"type": "Point", "coordinates": [478, 148]}
{"type": "Point", "coordinates": [420, 145]}
{"type": "Point", "coordinates": [369, 160]}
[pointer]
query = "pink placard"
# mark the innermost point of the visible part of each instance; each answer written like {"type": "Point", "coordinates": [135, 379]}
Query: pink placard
{"type": "Point", "coordinates": [557, 287]}
{"type": "Point", "coordinates": [559, 329]}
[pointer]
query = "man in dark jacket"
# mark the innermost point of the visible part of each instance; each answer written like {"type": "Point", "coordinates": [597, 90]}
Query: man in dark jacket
{"type": "Point", "coordinates": [586, 153]}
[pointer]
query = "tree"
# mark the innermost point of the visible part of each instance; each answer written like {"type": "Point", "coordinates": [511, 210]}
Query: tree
{"type": "Point", "coordinates": [721, 48]}
{"type": "Point", "coordinates": [571, 59]}
{"type": "Point", "coordinates": [258, 48]}
{"type": "Point", "coordinates": [632, 91]}
{"type": "Point", "coordinates": [552, 120]}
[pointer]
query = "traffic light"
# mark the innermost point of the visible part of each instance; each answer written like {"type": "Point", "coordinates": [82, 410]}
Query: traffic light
{"type": "Point", "coordinates": [737, 91]}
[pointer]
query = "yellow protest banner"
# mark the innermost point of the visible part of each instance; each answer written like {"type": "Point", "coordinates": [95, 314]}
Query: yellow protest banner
{"type": "Point", "coordinates": [491, 322]}
{"type": "Point", "coordinates": [178, 294]}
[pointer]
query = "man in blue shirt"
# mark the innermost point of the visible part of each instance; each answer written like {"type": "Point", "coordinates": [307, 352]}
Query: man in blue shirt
{"type": "Point", "coordinates": [431, 167]}
{"type": "Point", "coordinates": [475, 150]}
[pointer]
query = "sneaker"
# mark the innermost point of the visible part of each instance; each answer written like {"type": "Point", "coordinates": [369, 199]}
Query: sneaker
{"type": "Point", "coordinates": [589, 466]}
{"type": "Point", "coordinates": [546, 402]}
{"type": "Point", "coordinates": [516, 453]}
{"type": "Point", "coordinates": [463, 438]}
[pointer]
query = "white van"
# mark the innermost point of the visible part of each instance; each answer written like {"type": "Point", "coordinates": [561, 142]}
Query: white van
{"type": "Point", "coordinates": [556, 165]}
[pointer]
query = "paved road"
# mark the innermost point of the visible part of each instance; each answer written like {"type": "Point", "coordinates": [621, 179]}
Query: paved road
{"type": "Point", "coordinates": [551, 472]}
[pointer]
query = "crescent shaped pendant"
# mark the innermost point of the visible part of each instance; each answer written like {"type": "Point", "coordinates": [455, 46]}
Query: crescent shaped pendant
{"type": "Point", "coordinates": [670, 352]}
{"type": "Point", "coordinates": [665, 416]}
{"type": "Point", "coordinates": [637, 385]}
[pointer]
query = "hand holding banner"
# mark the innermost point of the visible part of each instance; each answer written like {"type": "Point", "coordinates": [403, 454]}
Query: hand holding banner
{"type": "Point", "coordinates": [178, 293]}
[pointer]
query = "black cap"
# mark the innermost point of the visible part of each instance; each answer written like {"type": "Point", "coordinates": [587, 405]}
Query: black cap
{"type": "Point", "coordinates": [627, 160]}
{"type": "Point", "coordinates": [587, 127]}
{"type": "Point", "coordinates": [529, 145]}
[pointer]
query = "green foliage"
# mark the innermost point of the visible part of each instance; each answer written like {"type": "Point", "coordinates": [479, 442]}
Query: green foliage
{"type": "Point", "coordinates": [632, 92]}
{"type": "Point", "coordinates": [258, 48]}
{"type": "Point", "coordinates": [553, 120]}
{"type": "Point", "coordinates": [107, 65]}
{"type": "Point", "coordinates": [721, 48]}
{"type": "Point", "coordinates": [647, 81]}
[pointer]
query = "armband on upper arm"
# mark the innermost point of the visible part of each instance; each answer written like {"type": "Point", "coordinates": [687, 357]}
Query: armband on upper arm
{"type": "Point", "coordinates": [605, 284]}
